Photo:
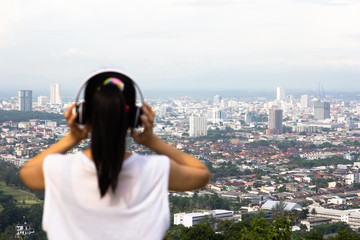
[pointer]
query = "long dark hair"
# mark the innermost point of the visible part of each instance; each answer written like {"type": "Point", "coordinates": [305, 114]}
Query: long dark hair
{"type": "Point", "coordinates": [108, 116]}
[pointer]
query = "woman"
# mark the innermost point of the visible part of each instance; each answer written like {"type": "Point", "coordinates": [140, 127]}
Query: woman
{"type": "Point", "coordinates": [106, 192]}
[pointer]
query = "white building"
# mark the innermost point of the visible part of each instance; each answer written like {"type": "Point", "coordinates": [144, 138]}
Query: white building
{"type": "Point", "coordinates": [336, 200]}
{"type": "Point", "coordinates": [224, 103]}
{"type": "Point", "coordinates": [215, 115]}
{"type": "Point", "coordinates": [55, 96]}
{"type": "Point", "coordinates": [289, 206]}
{"type": "Point", "coordinates": [217, 99]}
{"type": "Point", "coordinates": [280, 94]}
{"type": "Point", "coordinates": [304, 101]}
{"type": "Point", "coordinates": [50, 124]}
{"type": "Point", "coordinates": [197, 126]}
{"type": "Point", "coordinates": [351, 217]}
{"type": "Point", "coordinates": [352, 178]}
{"type": "Point", "coordinates": [190, 219]}
{"type": "Point", "coordinates": [312, 222]}
{"type": "Point", "coordinates": [42, 100]}
{"type": "Point", "coordinates": [24, 229]}
{"type": "Point", "coordinates": [315, 126]}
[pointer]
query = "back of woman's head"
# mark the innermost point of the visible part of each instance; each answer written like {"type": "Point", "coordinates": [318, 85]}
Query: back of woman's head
{"type": "Point", "coordinates": [110, 100]}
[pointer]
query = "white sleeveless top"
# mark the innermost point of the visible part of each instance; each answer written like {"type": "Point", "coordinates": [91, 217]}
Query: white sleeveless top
{"type": "Point", "coordinates": [73, 208]}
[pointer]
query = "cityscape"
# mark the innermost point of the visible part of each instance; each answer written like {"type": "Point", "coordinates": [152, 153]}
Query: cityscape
{"type": "Point", "coordinates": [265, 93]}
{"type": "Point", "coordinates": [297, 154]}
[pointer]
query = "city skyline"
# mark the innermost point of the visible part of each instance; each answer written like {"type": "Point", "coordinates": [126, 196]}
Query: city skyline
{"type": "Point", "coordinates": [183, 45]}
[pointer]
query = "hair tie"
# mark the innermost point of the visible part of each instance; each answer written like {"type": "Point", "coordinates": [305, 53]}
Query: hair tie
{"type": "Point", "coordinates": [119, 84]}
{"type": "Point", "coordinates": [116, 82]}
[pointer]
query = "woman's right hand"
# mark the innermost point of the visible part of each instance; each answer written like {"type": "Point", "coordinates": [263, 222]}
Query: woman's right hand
{"type": "Point", "coordinates": [145, 137]}
{"type": "Point", "coordinates": [76, 133]}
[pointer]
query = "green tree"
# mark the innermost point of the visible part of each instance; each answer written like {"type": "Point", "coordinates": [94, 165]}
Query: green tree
{"type": "Point", "coordinates": [37, 236]}
{"type": "Point", "coordinates": [260, 227]}
{"type": "Point", "coordinates": [338, 185]}
{"type": "Point", "coordinates": [321, 183]}
{"type": "Point", "coordinates": [303, 227]}
{"type": "Point", "coordinates": [11, 215]}
{"type": "Point", "coordinates": [303, 214]}
{"type": "Point", "coordinates": [34, 217]}
{"type": "Point", "coordinates": [331, 228]}
{"type": "Point", "coordinates": [281, 229]}
{"type": "Point", "coordinates": [212, 221]}
{"type": "Point", "coordinates": [6, 200]}
{"type": "Point", "coordinates": [314, 236]}
{"type": "Point", "coordinates": [9, 232]}
{"type": "Point", "coordinates": [278, 210]}
{"type": "Point", "coordinates": [175, 232]}
{"type": "Point", "coordinates": [18, 116]}
{"type": "Point", "coordinates": [282, 189]}
{"type": "Point", "coordinates": [199, 232]}
{"type": "Point", "coordinates": [234, 231]}
{"type": "Point", "coordinates": [347, 235]}
{"type": "Point", "coordinates": [313, 211]}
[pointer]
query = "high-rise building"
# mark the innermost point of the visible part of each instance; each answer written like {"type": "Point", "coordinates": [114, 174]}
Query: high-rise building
{"type": "Point", "coordinates": [25, 100]}
{"type": "Point", "coordinates": [55, 96]}
{"type": "Point", "coordinates": [42, 100]}
{"type": "Point", "coordinates": [197, 126]}
{"type": "Point", "coordinates": [252, 117]}
{"type": "Point", "coordinates": [321, 110]}
{"type": "Point", "coordinates": [217, 99]}
{"type": "Point", "coordinates": [224, 103]}
{"type": "Point", "coordinates": [215, 115]}
{"type": "Point", "coordinates": [280, 94]}
{"type": "Point", "coordinates": [275, 121]}
{"type": "Point", "coordinates": [304, 101]}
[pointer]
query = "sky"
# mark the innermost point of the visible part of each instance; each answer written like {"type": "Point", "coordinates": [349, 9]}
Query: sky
{"type": "Point", "coordinates": [182, 44]}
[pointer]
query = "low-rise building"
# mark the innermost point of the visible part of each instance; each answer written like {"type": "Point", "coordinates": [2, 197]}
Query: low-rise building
{"type": "Point", "coordinates": [24, 229]}
{"type": "Point", "coordinates": [312, 222]}
{"type": "Point", "coordinates": [190, 219]}
{"type": "Point", "coordinates": [351, 217]}
{"type": "Point", "coordinates": [288, 206]}
{"type": "Point", "coordinates": [337, 201]}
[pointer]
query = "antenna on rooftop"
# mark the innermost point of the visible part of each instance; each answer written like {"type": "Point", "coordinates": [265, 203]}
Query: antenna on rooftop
{"type": "Point", "coordinates": [321, 90]}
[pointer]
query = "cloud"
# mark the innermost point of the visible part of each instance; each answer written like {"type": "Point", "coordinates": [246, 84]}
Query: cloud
{"type": "Point", "coordinates": [76, 52]}
{"type": "Point", "coordinates": [214, 3]}
{"type": "Point", "coordinates": [162, 35]}
{"type": "Point", "coordinates": [178, 38]}
{"type": "Point", "coordinates": [330, 2]}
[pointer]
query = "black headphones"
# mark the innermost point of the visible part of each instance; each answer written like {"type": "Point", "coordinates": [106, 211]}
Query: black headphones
{"type": "Point", "coordinates": [128, 88]}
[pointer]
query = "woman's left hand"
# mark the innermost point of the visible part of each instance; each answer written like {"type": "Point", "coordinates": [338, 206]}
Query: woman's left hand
{"type": "Point", "coordinates": [76, 132]}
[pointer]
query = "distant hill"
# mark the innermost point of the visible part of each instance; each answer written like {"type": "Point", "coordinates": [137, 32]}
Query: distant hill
{"type": "Point", "coordinates": [17, 116]}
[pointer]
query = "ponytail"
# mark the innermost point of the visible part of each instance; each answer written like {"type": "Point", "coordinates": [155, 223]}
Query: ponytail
{"type": "Point", "coordinates": [108, 119]}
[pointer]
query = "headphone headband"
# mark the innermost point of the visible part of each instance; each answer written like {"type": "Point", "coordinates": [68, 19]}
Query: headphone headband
{"type": "Point", "coordinates": [80, 105]}
{"type": "Point", "coordinates": [83, 84]}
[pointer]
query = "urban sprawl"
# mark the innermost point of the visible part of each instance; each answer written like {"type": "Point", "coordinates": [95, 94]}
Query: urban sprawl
{"type": "Point", "coordinates": [301, 153]}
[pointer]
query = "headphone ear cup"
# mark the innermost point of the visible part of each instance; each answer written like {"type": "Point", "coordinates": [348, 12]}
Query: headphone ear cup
{"type": "Point", "coordinates": [80, 111]}
{"type": "Point", "coordinates": [137, 120]}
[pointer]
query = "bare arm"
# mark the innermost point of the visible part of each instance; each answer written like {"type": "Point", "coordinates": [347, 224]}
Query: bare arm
{"type": "Point", "coordinates": [186, 171]}
{"type": "Point", "coordinates": [32, 172]}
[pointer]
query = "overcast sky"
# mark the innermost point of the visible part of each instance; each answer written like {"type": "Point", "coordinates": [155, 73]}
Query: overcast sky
{"type": "Point", "coordinates": [182, 44]}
